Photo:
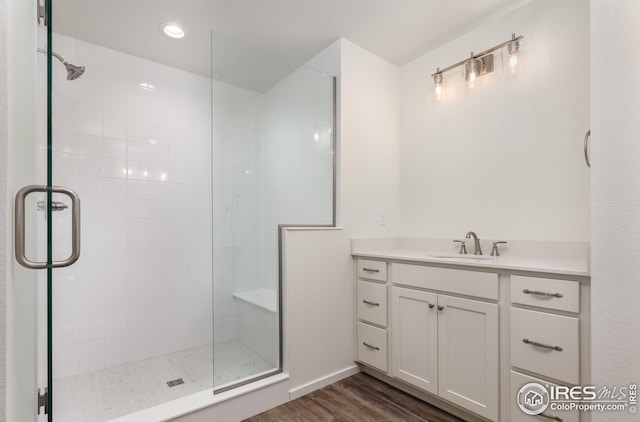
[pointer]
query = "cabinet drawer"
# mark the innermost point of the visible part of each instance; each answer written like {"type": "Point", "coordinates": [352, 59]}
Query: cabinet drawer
{"type": "Point", "coordinates": [372, 346]}
{"type": "Point", "coordinates": [560, 359]}
{"type": "Point", "coordinates": [472, 283]}
{"type": "Point", "coordinates": [372, 302]}
{"type": "Point", "coordinates": [374, 270]}
{"type": "Point", "coordinates": [517, 415]}
{"type": "Point", "coordinates": [562, 295]}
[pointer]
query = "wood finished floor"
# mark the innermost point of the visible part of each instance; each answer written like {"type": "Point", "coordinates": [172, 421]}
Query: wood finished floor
{"type": "Point", "coordinates": [359, 398]}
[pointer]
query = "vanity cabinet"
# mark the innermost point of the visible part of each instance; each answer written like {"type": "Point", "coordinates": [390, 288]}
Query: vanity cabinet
{"type": "Point", "coordinates": [466, 338]}
{"type": "Point", "coordinates": [447, 346]}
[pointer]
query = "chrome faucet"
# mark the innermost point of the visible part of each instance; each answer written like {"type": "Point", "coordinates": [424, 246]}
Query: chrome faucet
{"type": "Point", "coordinates": [478, 249]}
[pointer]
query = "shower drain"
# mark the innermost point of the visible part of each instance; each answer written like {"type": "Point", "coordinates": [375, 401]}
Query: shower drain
{"type": "Point", "coordinates": [175, 382]}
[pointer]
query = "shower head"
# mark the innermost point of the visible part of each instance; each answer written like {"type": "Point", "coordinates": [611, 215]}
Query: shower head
{"type": "Point", "coordinates": [73, 71]}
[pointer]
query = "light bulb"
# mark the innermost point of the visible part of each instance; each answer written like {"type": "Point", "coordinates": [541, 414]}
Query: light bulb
{"type": "Point", "coordinates": [513, 63]}
{"type": "Point", "coordinates": [472, 78]}
{"type": "Point", "coordinates": [437, 80]}
{"type": "Point", "coordinates": [438, 92]}
{"type": "Point", "coordinates": [472, 69]}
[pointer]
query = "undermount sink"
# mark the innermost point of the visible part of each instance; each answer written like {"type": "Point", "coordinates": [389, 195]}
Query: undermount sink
{"type": "Point", "coordinates": [461, 257]}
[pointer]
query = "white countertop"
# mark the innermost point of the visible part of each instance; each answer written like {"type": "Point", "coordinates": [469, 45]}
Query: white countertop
{"type": "Point", "coordinates": [564, 266]}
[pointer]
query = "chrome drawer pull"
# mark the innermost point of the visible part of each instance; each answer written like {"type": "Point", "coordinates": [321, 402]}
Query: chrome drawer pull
{"type": "Point", "coordinates": [544, 346]}
{"type": "Point", "coordinates": [372, 270]}
{"type": "Point", "coordinates": [586, 148]}
{"type": "Point", "coordinates": [370, 346]}
{"type": "Point", "coordinates": [371, 303]}
{"type": "Point", "coordinates": [545, 294]}
{"type": "Point", "coordinates": [555, 418]}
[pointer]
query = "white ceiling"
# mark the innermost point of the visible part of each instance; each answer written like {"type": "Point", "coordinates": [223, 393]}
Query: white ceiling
{"type": "Point", "coordinates": [396, 30]}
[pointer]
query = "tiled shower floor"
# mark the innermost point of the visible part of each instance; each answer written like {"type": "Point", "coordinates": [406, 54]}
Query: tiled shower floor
{"type": "Point", "coordinates": [113, 392]}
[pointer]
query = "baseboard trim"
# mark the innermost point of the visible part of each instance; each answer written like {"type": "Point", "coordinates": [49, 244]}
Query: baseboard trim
{"type": "Point", "coordinates": [307, 388]}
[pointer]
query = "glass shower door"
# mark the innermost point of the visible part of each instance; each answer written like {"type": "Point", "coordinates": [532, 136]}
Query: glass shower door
{"type": "Point", "coordinates": [34, 230]}
{"type": "Point", "coordinates": [132, 320]}
{"type": "Point", "coordinates": [22, 336]}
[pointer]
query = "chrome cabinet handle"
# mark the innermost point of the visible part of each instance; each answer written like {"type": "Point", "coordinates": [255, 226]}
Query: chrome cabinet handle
{"type": "Point", "coordinates": [586, 147]}
{"type": "Point", "coordinates": [372, 270]}
{"type": "Point", "coordinates": [19, 227]}
{"type": "Point", "coordinates": [430, 305]}
{"type": "Point", "coordinates": [440, 307]}
{"type": "Point", "coordinates": [371, 303]}
{"type": "Point", "coordinates": [542, 345]}
{"type": "Point", "coordinates": [370, 346]}
{"type": "Point", "coordinates": [555, 418]}
{"type": "Point", "coordinates": [539, 293]}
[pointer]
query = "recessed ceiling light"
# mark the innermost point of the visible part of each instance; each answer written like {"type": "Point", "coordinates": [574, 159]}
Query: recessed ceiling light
{"type": "Point", "coordinates": [173, 30]}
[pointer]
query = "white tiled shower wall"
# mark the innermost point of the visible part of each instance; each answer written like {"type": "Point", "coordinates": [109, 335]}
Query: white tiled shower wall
{"type": "Point", "coordinates": [132, 137]}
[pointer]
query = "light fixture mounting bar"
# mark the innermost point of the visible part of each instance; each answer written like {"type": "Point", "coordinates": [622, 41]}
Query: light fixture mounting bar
{"type": "Point", "coordinates": [479, 55]}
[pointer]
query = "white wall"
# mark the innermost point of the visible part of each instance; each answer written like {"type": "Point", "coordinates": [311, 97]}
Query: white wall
{"type": "Point", "coordinates": [140, 161]}
{"type": "Point", "coordinates": [615, 124]}
{"type": "Point", "coordinates": [319, 270]}
{"type": "Point", "coordinates": [506, 160]}
{"type": "Point", "coordinates": [370, 178]}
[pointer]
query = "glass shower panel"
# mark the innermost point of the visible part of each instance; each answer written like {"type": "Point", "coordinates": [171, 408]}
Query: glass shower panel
{"type": "Point", "coordinates": [133, 318]}
{"type": "Point", "coordinates": [273, 126]}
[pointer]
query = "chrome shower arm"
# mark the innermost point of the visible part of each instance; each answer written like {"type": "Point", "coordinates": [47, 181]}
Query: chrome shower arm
{"type": "Point", "coordinates": [54, 54]}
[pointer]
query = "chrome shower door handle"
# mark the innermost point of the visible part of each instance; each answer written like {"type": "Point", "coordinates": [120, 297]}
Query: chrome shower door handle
{"type": "Point", "coordinates": [586, 148]}
{"type": "Point", "coordinates": [19, 227]}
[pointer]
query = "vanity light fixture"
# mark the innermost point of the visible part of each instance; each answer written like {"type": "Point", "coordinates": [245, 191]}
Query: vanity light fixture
{"type": "Point", "coordinates": [482, 63]}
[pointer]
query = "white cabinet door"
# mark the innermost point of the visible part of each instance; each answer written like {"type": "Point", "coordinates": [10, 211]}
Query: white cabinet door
{"type": "Point", "coordinates": [414, 338]}
{"type": "Point", "coordinates": [468, 354]}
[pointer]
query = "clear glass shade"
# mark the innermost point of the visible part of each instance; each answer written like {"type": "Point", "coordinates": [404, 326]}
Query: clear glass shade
{"type": "Point", "coordinates": [471, 71]}
{"type": "Point", "coordinates": [512, 63]}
